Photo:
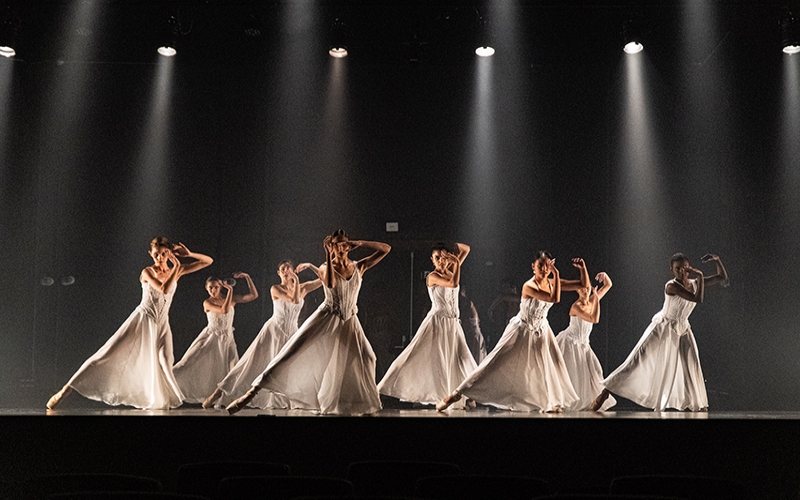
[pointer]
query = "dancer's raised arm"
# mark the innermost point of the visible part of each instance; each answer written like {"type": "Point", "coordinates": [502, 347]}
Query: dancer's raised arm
{"type": "Point", "coordinates": [583, 282]}
{"type": "Point", "coordinates": [381, 250]}
{"type": "Point", "coordinates": [722, 273]}
{"type": "Point", "coordinates": [605, 287]}
{"type": "Point", "coordinates": [252, 292]}
{"type": "Point", "coordinates": [201, 260]}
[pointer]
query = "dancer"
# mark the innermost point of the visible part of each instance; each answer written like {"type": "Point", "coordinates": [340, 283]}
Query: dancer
{"type": "Point", "coordinates": [437, 359]}
{"type": "Point", "coordinates": [213, 353]}
{"type": "Point", "coordinates": [525, 371]}
{"type": "Point", "coordinates": [584, 368]}
{"type": "Point", "coordinates": [663, 370]}
{"type": "Point", "coordinates": [287, 301]}
{"type": "Point", "coordinates": [471, 323]}
{"type": "Point", "coordinates": [328, 365]}
{"type": "Point", "coordinates": [134, 367]}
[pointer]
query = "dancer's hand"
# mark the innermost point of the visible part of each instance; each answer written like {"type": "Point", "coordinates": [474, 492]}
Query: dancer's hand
{"type": "Point", "coordinates": [353, 244]}
{"type": "Point", "coordinates": [551, 266]}
{"type": "Point", "coordinates": [302, 267]}
{"type": "Point", "coordinates": [180, 250]}
{"type": "Point", "coordinates": [173, 259]}
{"type": "Point", "coordinates": [695, 273]}
{"type": "Point", "coordinates": [241, 275]}
{"type": "Point", "coordinates": [227, 285]}
{"type": "Point", "coordinates": [709, 257]}
{"type": "Point", "coordinates": [327, 243]}
{"type": "Point", "coordinates": [601, 277]}
{"type": "Point", "coordinates": [578, 262]}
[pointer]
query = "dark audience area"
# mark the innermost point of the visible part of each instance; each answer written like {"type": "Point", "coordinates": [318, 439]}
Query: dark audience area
{"type": "Point", "coordinates": [128, 457]}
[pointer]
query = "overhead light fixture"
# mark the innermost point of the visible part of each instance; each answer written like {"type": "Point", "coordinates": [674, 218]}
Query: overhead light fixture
{"type": "Point", "coordinates": [339, 39]}
{"type": "Point", "coordinates": [9, 29]}
{"type": "Point", "coordinates": [484, 49]}
{"type": "Point", "coordinates": [169, 37]}
{"type": "Point", "coordinates": [790, 33]}
{"type": "Point", "coordinates": [632, 38]}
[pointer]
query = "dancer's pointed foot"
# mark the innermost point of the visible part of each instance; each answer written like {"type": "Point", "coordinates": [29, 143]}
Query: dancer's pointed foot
{"type": "Point", "coordinates": [598, 402]}
{"type": "Point", "coordinates": [446, 402]}
{"type": "Point", "coordinates": [58, 397]}
{"type": "Point", "coordinates": [208, 403]}
{"type": "Point", "coordinates": [240, 403]}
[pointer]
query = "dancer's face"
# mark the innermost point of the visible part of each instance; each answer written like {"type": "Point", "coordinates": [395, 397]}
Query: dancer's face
{"type": "Point", "coordinates": [540, 267]}
{"type": "Point", "coordinates": [286, 270]}
{"type": "Point", "coordinates": [438, 259]}
{"type": "Point", "coordinates": [214, 288]}
{"type": "Point", "coordinates": [341, 246]}
{"type": "Point", "coordinates": [680, 269]}
{"type": "Point", "coordinates": [160, 255]}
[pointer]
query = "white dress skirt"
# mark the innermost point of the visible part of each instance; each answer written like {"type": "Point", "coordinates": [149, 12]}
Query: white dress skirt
{"type": "Point", "coordinates": [525, 371]}
{"type": "Point", "coordinates": [437, 359]}
{"type": "Point", "coordinates": [269, 341]}
{"type": "Point", "coordinates": [663, 370]}
{"type": "Point", "coordinates": [584, 368]}
{"type": "Point", "coordinates": [328, 366]}
{"type": "Point", "coordinates": [210, 357]}
{"type": "Point", "coordinates": [134, 367]}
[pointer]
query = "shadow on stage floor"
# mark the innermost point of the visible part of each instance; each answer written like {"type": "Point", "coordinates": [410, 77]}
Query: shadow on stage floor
{"type": "Point", "coordinates": [568, 450]}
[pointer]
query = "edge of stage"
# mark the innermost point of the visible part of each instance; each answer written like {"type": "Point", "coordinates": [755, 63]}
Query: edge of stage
{"type": "Point", "coordinates": [570, 450]}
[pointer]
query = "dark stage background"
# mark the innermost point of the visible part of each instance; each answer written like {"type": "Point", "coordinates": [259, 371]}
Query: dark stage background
{"type": "Point", "coordinates": [252, 147]}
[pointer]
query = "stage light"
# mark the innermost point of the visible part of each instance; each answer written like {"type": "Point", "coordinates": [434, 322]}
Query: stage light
{"type": "Point", "coordinates": [339, 39]}
{"type": "Point", "coordinates": [484, 49]}
{"type": "Point", "coordinates": [632, 38]}
{"type": "Point", "coordinates": [169, 37]}
{"type": "Point", "coordinates": [790, 33]}
{"type": "Point", "coordinates": [9, 28]}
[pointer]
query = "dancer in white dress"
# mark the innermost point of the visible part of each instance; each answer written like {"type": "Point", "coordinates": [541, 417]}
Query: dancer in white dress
{"type": "Point", "coordinates": [584, 368]}
{"type": "Point", "coordinates": [287, 301]}
{"type": "Point", "coordinates": [437, 359]}
{"type": "Point", "coordinates": [663, 370]}
{"type": "Point", "coordinates": [213, 353]}
{"type": "Point", "coordinates": [134, 367]}
{"type": "Point", "coordinates": [525, 371]}
{"type": "Point", "coordinates": [328, 366]}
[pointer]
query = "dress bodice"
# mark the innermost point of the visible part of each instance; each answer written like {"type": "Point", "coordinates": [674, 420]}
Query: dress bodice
{"type": "Point", "coordinates": [285, 314]}
{"type": "Point", "coordinates": [220, 324]}
{"type": "Point", "coordinates": [342, 298]}
{"type": "Point", "coordinates": [533, 313]}
{"type": "Point", "coordinates": [155, 303]}
{"type": "Point", "coordinates": [578, 330]}
{"type": "Point", "coordinates": [677, 308]}
{"type": "Point", "coordinates": [444, 301]}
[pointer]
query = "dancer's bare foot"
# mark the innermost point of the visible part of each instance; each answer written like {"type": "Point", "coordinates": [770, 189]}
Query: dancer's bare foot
{"type": "Point", "coordinates": [58, 397]}
{"type": "Point", "coordinates": [446, 402]}
{"type": "Point", "coordinates": [555, 409]}
{"type": "Point", "coordinates": [471, 404]}
{"type": "Point", "coordinates": [598, 403]}
{"type": "Point", "coordinates": [208, 403]}
{"type": "Point", "coordinates": [240, 403]}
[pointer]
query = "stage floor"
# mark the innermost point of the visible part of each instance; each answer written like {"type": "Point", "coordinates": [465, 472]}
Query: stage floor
{"type": "Point", "coordinates": [481, 413]}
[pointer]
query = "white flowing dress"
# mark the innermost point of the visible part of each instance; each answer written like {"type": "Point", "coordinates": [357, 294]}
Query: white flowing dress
{"type": "Point", "coordinates": [437, 359]}
{"type": "Point", "coordinates": [663, 370]}
{"type": "Point", "coordinates": [269, 341]}
{"type": "Point", "coordinates": [134, 367]}
{"type": "Point", "coordinates": [525, 371]}
{"type": "Point", "coordinates": [584, 368]}
{"type": "Point", "coordinates": [328, 366]}
{"type": "Point", "coordinates": [210, 357]}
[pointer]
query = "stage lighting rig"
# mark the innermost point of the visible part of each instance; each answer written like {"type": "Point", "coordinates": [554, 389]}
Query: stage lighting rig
{"type": "Point", "coordinates": [790, 33]}
{"type": "Point", "coordinates": [339, 38]}
{"type": "Point", "coordinates": [484, 48]}
{"type": "Point", "coordinates": [632, 38]}
{"type": "Point", "coordinates": [169, 37]}
{"type": "Point", "coordinates": [10, 24]}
